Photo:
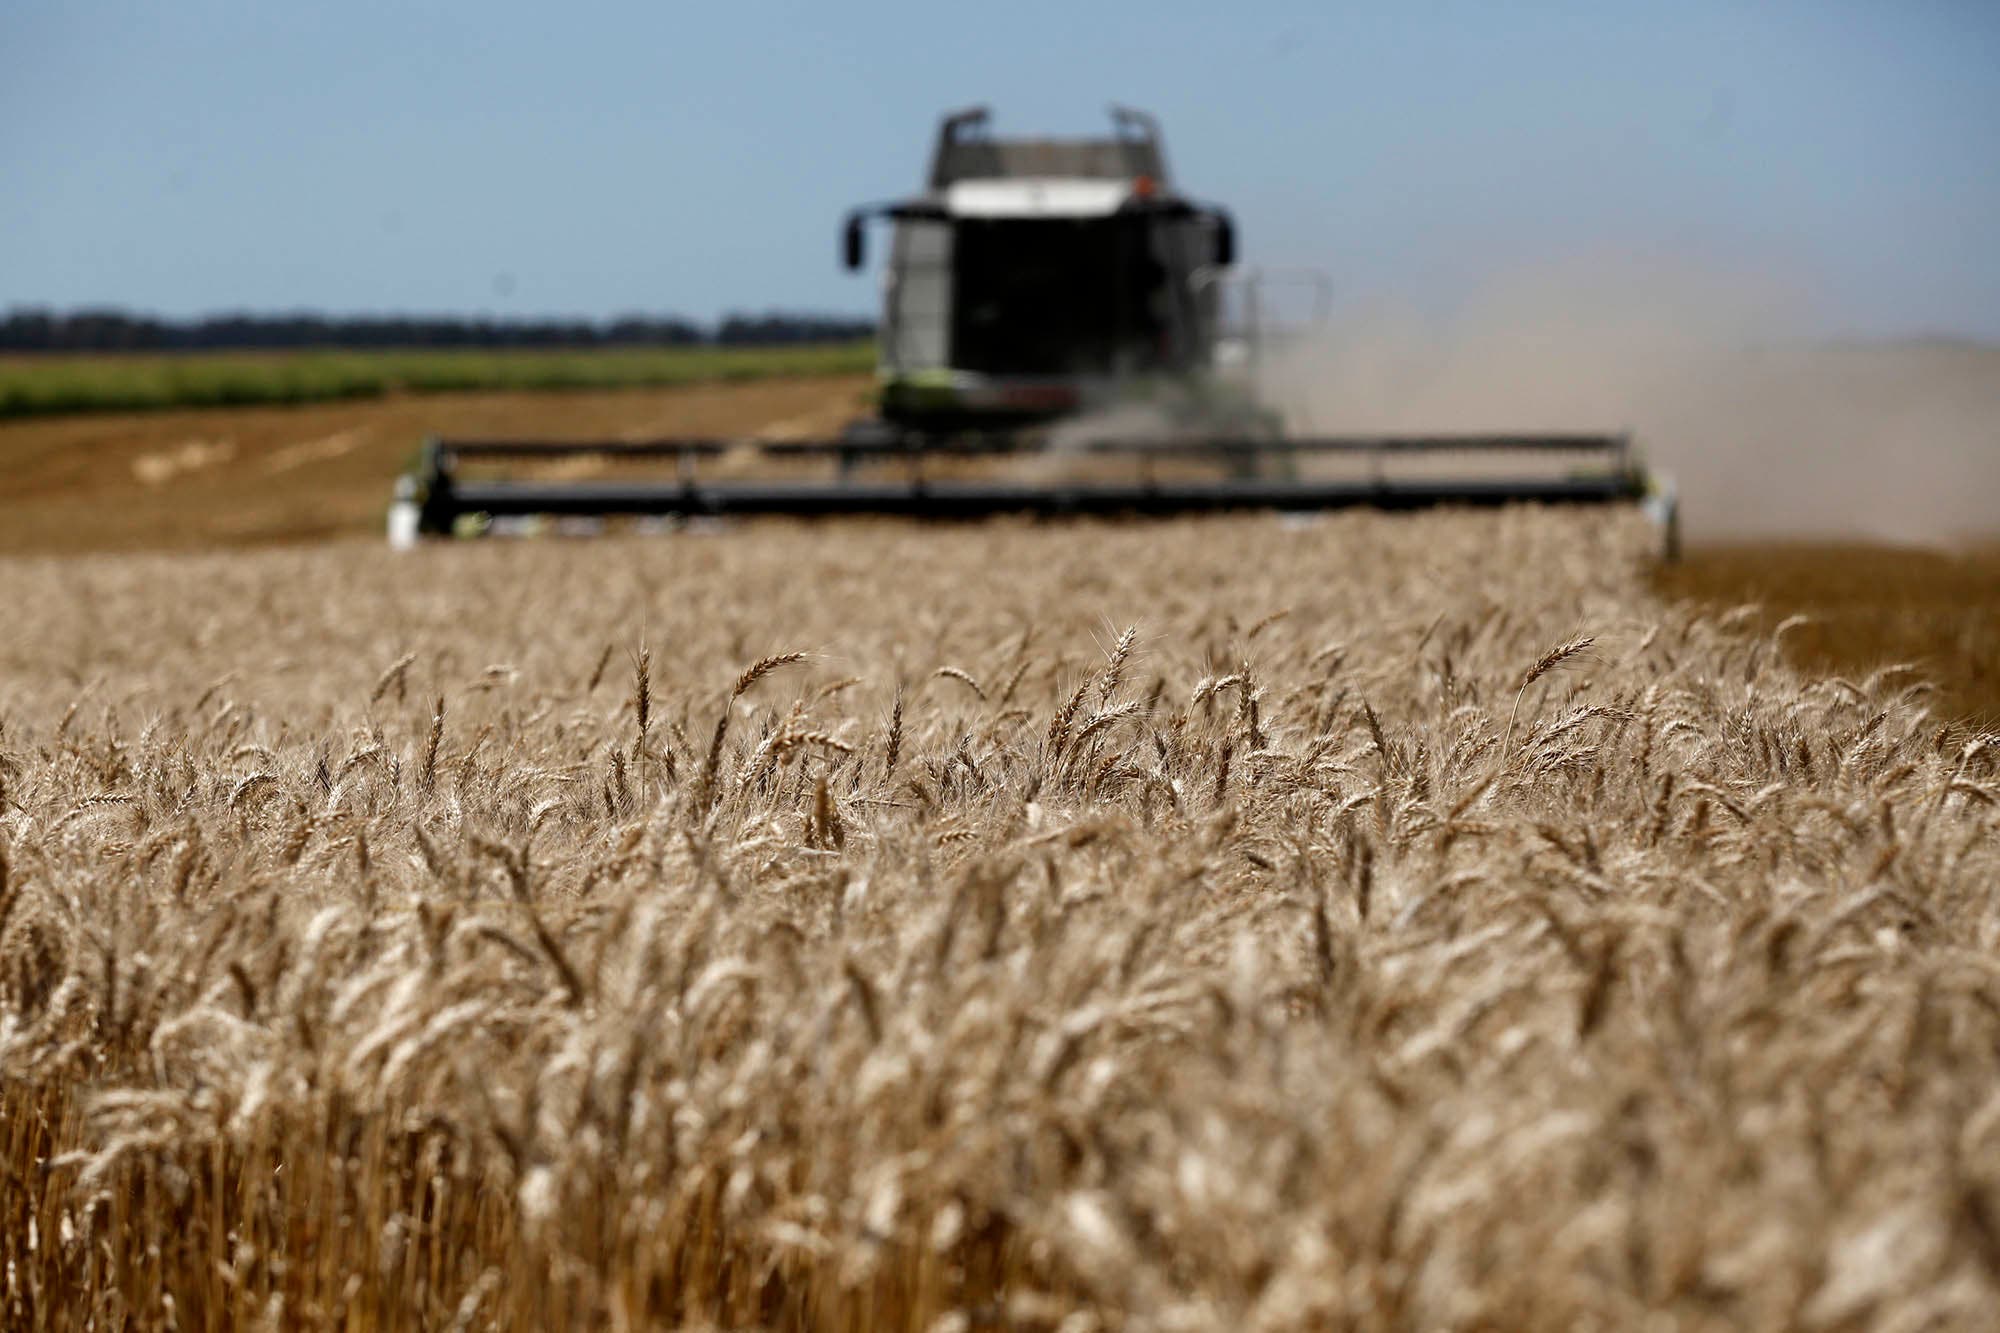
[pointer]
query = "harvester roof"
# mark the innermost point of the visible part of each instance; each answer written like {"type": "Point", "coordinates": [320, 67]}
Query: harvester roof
{"type": "Point", "coordinates": [975, 174]}
{"type": "Point", "coordinates": [1036, 197]}
{"type": "Point", "coordinates": [967, 151]}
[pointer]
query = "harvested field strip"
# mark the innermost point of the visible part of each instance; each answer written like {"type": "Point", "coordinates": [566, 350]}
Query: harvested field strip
{"type": "Point", "coordinates": [1215, 925]}
{"type": "Point", "coordinates": [1854, 610]}
{"type": "Point", "coordinates": [46, 385]}
{"type": "Point", "coordinates": [257, 475]}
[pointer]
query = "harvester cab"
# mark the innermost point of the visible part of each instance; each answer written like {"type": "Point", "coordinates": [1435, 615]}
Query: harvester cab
{"type": "Point", "coordinates": [1035, 279]}
{"type": "Point", "coordinates": [1054, 297]}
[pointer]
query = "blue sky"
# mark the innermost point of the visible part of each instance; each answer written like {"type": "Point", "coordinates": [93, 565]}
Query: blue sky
{"type": "Point", "coordinates": [589, 159]}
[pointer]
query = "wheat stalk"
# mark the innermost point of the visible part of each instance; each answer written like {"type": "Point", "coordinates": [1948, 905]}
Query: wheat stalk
{"type": "Point", "coordinates": [1549, 661]}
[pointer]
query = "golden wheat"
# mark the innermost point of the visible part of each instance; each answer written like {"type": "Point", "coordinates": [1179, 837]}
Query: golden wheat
{"type": "Point", "coordinates": [1367, 988]}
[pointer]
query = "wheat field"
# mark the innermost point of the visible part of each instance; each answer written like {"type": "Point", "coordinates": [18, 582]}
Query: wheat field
{"type": "Point", "coordinates": [1377, 923]}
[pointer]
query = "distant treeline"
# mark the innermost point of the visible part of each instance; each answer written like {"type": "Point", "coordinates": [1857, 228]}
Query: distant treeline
{"type": "Point", "coordinates": [33, 330]}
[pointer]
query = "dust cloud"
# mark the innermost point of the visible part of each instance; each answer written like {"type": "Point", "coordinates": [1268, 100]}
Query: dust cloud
{"type": "Point", "coordinates": [1768, 431]}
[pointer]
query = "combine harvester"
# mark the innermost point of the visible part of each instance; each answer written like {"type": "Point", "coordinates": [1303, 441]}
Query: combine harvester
{"type": "Point", "coordinates": [1054, 307]}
